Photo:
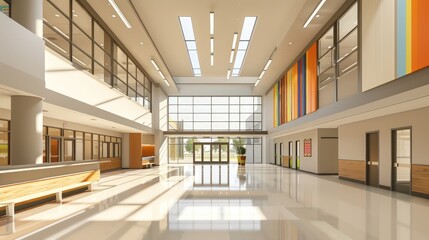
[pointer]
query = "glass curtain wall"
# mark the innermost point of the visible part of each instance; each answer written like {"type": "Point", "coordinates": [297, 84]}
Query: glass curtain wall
{"type": "Point", "coordinates": [181, 148]}
{"type": "Point", "coordinates": [338, 59]}
{"type": "Point", "coordinates": [74, 34]}
{"type": "Point", "coordinates": [77, 146]}
{"type": "Point", "coordinates": [233, 113]}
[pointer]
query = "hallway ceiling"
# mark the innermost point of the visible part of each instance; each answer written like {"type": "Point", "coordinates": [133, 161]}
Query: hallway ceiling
{"type": "Point", "coordinates": [279, 23]}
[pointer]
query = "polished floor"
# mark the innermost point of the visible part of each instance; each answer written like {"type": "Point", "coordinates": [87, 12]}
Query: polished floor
{"type": "Point", "coordinates": [224, 202]}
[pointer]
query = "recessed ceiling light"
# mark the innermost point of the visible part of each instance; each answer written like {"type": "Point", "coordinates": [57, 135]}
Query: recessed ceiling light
{"type": "Point", "coordinates": [154, 64]}
{"type": "Point", "coordinates": [113, 15]}
{"type": "Point", "coordinates": [317, 15]}
{"type": "Point", "coordinates": [257, 82]}
{"type": "Point", "coordinates": [74, 15]}
{"type": "Point", "coordinates": [267, 65]}
{"type": "Point", "coordinates": [231, 58]}
{"type": "Point", "coordinates": [119, 12]}
{"type": "Point", "coordinates": [211, 23]}
{"type": "Point", "coordinates": [234, 40]}
{"type": "Point", "coordinates": [57, 15]}
{"type": "Point", "coordinates": [101, 44]}
{"type": "Point", "coordinates": [290, 43]}
{"type": "Point", "coordinates": [228, 75]}
{"type": "Point", "coordinates": [162, 75]}
{"type": "Point", "coordinates": [314, 13]}
{"type": "Point", "coordinates": [212, 45]}
{"type": "Point", "coordinates": [329, 47]}
{"type": "Point", "coordinates": [166, 82]}
{"type": "Point", "coordinates": [141, 43]}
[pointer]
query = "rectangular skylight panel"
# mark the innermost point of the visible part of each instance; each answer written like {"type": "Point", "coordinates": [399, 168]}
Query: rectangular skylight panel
{"type": "Point", "coordinates": [242, 45]}
{"type": "Point", "coordinates": [197, 72]}
{"type": "Point", "coordinates": [239, 58]}
{"type": "Point", "coordinates": [187, 29]}
{"type": "Point", "coordinates": [235, 72]}
{"type": "Point", "coordinates": [248, 26]}
{"type": "Point", "coordinates": [194, 59]}
{"type": "Point", "coordinates": [191, 45]}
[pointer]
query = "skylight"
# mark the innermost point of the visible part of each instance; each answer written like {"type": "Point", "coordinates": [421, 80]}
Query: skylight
{"type": "Point", "coordinates": [189, 36]}
{"type": "Point", "coordinates": [243, 44]}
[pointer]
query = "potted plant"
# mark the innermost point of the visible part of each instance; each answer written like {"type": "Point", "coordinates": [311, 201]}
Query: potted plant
{"type": "Point", "coordinates": [241, 155]}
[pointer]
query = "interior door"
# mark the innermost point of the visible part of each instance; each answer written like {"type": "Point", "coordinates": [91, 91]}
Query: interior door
{"type": "Point", "coordinates": [290, 150]}
{"type": "Point", "coordinates": [69, 150]}
{"type": "Point", "coordinates": [401, 160]}
{"type": "Point", "coordinates": [275, 153]}
{"type": "Point", "coordinates": [280, 155]}
{"type": "Point", "coordinates": [198, 153]}
{"type": "Point", "coordinates": [54, 150]}
{"type": "Point", "coordinates": [297, 153]}
{"type": "Point", "coordinates": [372, 159]}
{"type": "Point", "coordinates": [224, 153]}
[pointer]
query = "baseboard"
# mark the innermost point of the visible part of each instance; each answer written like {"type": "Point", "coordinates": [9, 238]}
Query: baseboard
{"type": "Point", "coordinates": [422, 195]}
{"type": "Point", "coordinates": [320, 174]}
{"type": "Point", "coordinates": [385, 187]}
{"type": "Point", "coordinates": [352, 180]}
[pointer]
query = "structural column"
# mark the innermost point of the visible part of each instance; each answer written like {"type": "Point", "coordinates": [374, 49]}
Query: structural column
{"type": "Point", "coordinates": [29, 13]}
{"type": "Point", "coordinates": [26, 130]}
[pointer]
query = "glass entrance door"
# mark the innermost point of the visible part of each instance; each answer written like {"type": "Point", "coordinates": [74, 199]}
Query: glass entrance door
{"type": "Point", "coordinates": [54, 149]}
{"type": "Point", "coordinates": [211, 153]}
{"type": "Point", "coordinates": [401, 160]}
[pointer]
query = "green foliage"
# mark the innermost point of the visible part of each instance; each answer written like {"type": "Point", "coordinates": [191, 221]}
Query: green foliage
{"type": "Point", "coordinates": [241, 150]}
{"type": "Point", "coordinates": [238, 145]}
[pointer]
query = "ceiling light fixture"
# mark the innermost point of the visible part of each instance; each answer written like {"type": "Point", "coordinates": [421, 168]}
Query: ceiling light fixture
{"type": "Point", "coordinates": [141, 43]}
{"type": "Point", "coordinates": [212, 59]}
{"type": "Point", "coordinates": [162, 75]}
{"type": "Point", "coordinates": [188, 34]}
{"type": "Point", "coordinates": [245, 36]}
{"type": "Point", "coordinates": [267, 65]}
{"type": "Point", "coordinates": [154, 64]}
{"type": "Point", "coordinates": [113, 15]}
{"type": "Point", "coordinates": [257, 82]}
{"type": "Point", "coordinates": [234, 40]}
{"type": "Point", "coordinates": [119, 12]}
{"type": "Point", "coordinates": [314, 13]}
{"type": "Point", "coordinates": [166, 82]}
{"type": "Point", "coordinates": [228, 75]}
{"type": "Point", "coordinates": [212, 45]}
{"type": "Point", "coordinates": [262, 74]}
{"type": "Point", "coordinates": [211, 23]}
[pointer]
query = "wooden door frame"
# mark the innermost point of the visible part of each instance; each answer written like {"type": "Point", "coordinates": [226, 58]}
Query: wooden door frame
{"type": "Point", "coordinates": [367, 167]}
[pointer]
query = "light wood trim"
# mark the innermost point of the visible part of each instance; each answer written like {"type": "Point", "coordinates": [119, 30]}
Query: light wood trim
{"type": "Point", "coordinates": [110, 163]}
{"type": "Point", "coordinates": [420, 178]}
{"type": "Point", "coordinates": [352, 169]}
{"type": "Point", "coordinates": [27, 188]}
{"type": "Point", "coordinates": [135, 150]}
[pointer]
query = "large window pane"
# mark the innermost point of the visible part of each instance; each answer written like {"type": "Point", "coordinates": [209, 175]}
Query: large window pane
{"type": "Point", "coordinates": [348, 45]}
{"type": "Point", "coordinates": [120, 56]}
{"type": "Point", "coordinates": [81, 59]}
{"type": "Point", "coordinates": [132, 69]}
{"type": "Point", "coordinates": [348, 22]}
{"type": "Point", "coordinates": [326, 42]}
{"type": "Point", "coordinates": [202, 100]}
{"type": "Point", "coordinates": [56, 19]}
{"type": "Point", "coordinates": [82, 18]}
{"type": "Point", "coordinates": [220, 100]}
{"type": "Point", "coordinates": [119, 72]}
{"type": "Point", "coordinates": [57, 42]}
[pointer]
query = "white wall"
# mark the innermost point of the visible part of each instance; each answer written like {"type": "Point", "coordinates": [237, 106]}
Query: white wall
{"type": "Point", "coordinates": [18, 70]}
{"type": "Point", "coordinates": [352, 139]}
{"type": "Point", "coordinates": [378, 42]}
{"type": "Point", "coordinates": [159, 112]}
{"type": "Point", "coordinates": [268, 109]}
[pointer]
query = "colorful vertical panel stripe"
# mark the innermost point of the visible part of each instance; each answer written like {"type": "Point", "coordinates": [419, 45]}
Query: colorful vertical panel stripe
{"type": "Point", "coordinates": [412, 36]}
{"type": "Point", "coordinates": [295, 95]}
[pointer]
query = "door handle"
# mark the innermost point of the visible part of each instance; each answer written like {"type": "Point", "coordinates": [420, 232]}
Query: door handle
{"type": "Point", "coordinates": [395, 165]}
{"type": "Point", "coordinates": [369, 163]}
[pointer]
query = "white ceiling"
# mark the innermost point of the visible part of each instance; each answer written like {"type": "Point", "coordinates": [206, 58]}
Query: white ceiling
{"type": "Point", "coordinates": [279, 23]}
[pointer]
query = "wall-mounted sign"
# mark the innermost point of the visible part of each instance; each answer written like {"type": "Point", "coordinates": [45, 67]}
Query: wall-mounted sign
{"type": "Point", "coordinates": [307, 147]}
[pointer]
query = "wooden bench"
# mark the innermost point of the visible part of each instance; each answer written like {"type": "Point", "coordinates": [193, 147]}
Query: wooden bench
{"type": "Point", "coordinates": [10, 203]}
{"type": "Point", "coordinates": [147, 164]}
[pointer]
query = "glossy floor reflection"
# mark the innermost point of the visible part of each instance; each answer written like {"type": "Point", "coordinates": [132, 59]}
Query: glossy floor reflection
{"type": "Point", "coordinates": [224, 202]}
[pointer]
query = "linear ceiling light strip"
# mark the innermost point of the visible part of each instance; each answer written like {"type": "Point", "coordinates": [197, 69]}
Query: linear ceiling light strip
{"type": "Point", "coordinates": [119, 12]}
{"type": "Point", "coordinates": [159, 72]}
{"type": "Point", "coordinates": [314, 13]}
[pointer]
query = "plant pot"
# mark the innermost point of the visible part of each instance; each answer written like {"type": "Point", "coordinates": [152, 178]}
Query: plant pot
{"type": "Point", "coordinates": [241, 160]}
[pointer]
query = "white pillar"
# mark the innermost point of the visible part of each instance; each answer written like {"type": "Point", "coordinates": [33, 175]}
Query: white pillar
{"type": "Point", "coordinates": [29, 13]}
{"type": "Point", "coordinates": [26, 130]}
